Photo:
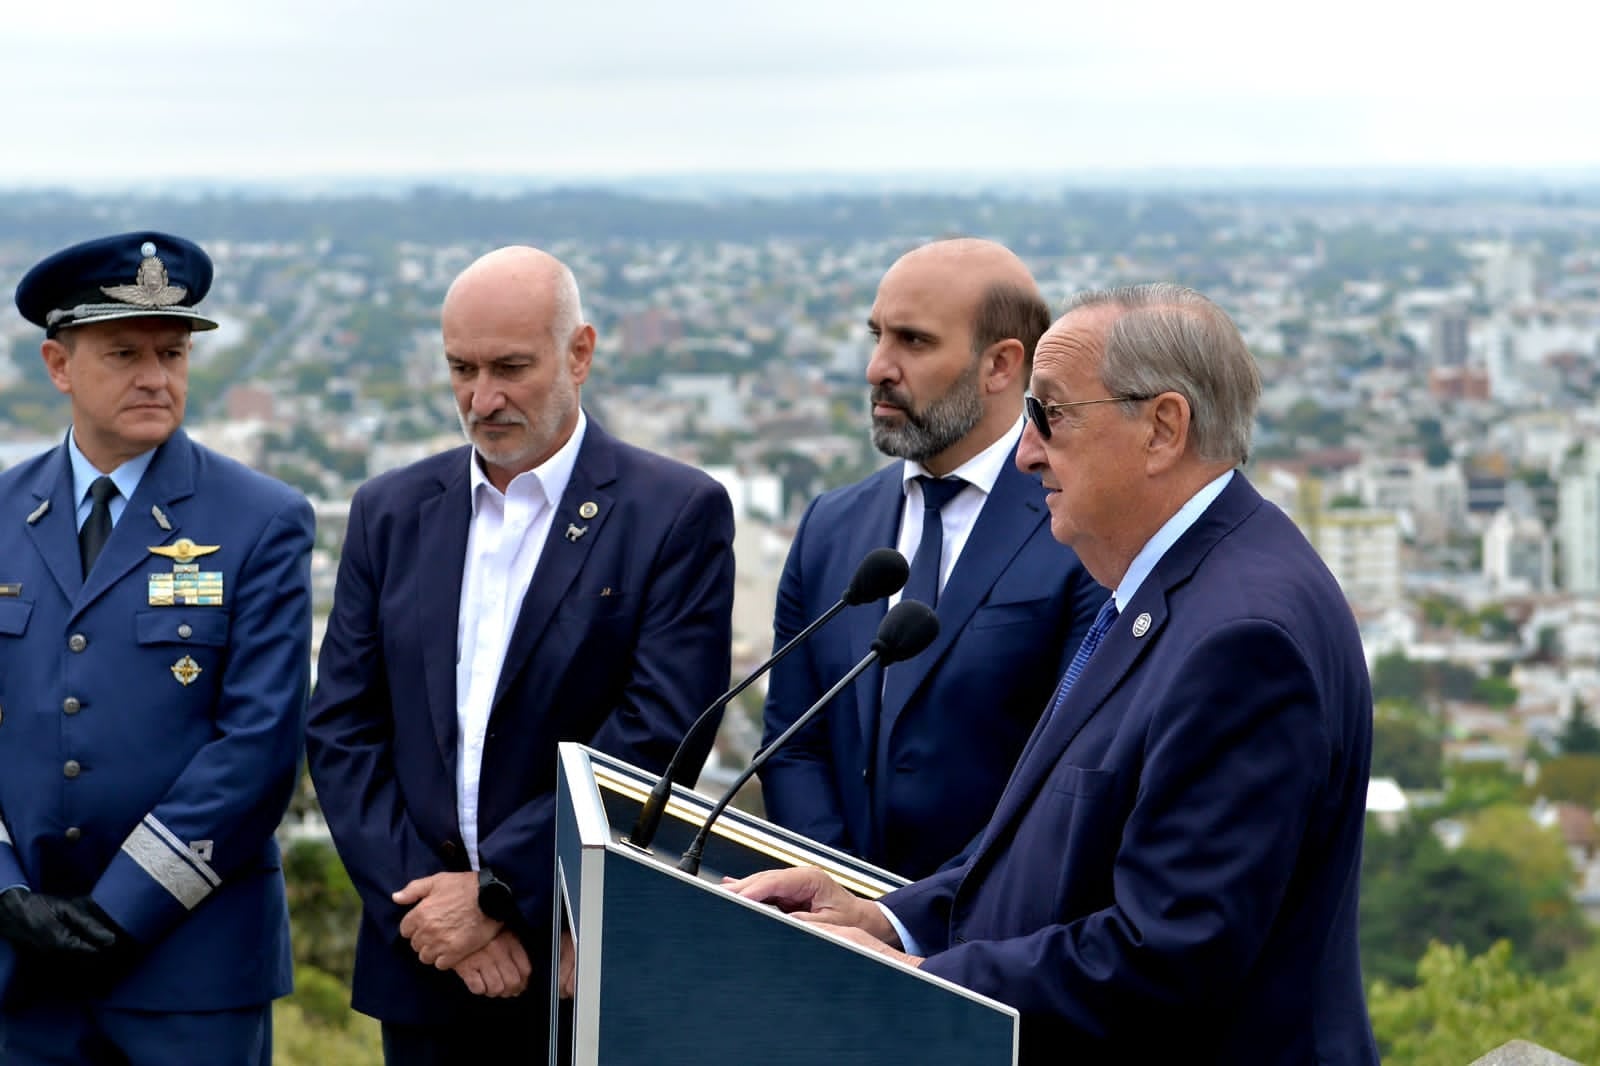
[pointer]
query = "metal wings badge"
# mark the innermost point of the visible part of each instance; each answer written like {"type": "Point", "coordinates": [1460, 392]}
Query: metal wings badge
{"type": "Point", "coordinates": [187, 585]}
{"type": "Point", "coordinates": [150, 287]}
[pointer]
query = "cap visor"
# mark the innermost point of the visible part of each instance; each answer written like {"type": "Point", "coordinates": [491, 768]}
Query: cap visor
{"type": "Point", "coordinates": [196, 320]}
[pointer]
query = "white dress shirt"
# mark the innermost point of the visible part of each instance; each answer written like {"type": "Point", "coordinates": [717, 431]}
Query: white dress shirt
{"type": "Point", "coordinates": [504, 542]}
{"type": "Point", "coordinates": [961, 513]}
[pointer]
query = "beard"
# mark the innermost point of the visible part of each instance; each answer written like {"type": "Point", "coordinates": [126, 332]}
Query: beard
{"type": "Point", "coordinates": [538, 439]}
{"type": "Point", "coordinates": [921, 435]}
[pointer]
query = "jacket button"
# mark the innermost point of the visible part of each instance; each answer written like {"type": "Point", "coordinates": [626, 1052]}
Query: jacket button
{"type": "Point", "coordinates": [74, 833]}
{"type": "Point", "coordinates": [70, 705]}
{"type": "Point", "coordinates": [77, 642]}
{"type": "Point", "coordinates": [72, 769]}
{"type": "Point", "coordinates": [185, 631]}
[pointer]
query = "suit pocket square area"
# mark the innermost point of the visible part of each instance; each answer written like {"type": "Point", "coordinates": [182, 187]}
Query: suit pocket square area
{"type": "Point", "coordinates": [1080, 781]}
{"type": "Point", "coordinates": [1009, 614]}
{"type": "Point", "coordinates": [596, 604]}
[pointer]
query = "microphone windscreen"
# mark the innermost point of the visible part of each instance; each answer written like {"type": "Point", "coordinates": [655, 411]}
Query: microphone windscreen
{"type": "Point", "coordinates": [882, 573]}
{"type": "Point", "coordinates": [909, 627]}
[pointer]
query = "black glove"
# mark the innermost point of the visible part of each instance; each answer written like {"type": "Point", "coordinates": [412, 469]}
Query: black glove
{"type": "Point", "coordinates": [55, 926]}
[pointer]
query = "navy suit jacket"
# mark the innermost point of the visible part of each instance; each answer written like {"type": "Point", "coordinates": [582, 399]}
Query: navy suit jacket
{"type": "Point", "coordinates": [149, 762]}
{"type": "Point", "coordinates": [622, 639]}
{"type": "Point", "coordinates": [1010, 616]}
{"type": "Point", "coordinates": [1171, 875]}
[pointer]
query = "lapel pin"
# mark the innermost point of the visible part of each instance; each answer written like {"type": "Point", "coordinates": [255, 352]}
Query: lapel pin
{"type": "Point", "coordinates": [575, 531]}
{"type": "Point", "coordinates": [1141, 625]}
{"type": "Point", "coordinates": [39, 512]}
{"type": "Point", "coordinates": [14, 588]}
{"type": "Point", "coordinates": [161, 519]}
{"type": "Point", "coordinates": [588, 509]}
{"type": "Point", "coordinates": [606, 591]}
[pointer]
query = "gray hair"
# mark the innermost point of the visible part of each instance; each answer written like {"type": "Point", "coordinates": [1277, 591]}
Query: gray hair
{"type": "Point", "coordinates": [566, 308]}
{"type": "Point", "coordinates": [1172, 339]}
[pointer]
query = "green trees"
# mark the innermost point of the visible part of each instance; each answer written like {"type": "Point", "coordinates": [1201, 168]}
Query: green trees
{"type": "Point", "coordinates": [1464, 1005]}
{"type": "Point", "coordinates": [1414, 890]}
{"type": "Point", "coordinates": [315, 1026]}
{"type": "Point", "coordinates": [1580, 736]}
{"type": "Point", "coordinates": [1406, 745]}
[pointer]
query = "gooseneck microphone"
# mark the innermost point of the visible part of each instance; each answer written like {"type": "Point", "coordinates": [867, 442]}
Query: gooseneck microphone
{"type": "Point", "coordinates": [908, 628]}
{"type": "Point", "coordinates": [881, 573]}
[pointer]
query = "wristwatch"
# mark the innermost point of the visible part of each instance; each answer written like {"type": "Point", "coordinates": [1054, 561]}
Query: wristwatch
{"type": "Point", "coordinates": [495, 897]}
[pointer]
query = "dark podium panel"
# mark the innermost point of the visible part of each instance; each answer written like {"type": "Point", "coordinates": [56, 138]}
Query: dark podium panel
{"type": "Point", "coordinates": [674, 969]}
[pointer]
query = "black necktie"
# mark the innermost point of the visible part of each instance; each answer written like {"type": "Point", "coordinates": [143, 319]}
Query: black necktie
{"type": "Point", "coordinates": [97, 530]}
{"type": "Point", "coordinates": [923, 584]}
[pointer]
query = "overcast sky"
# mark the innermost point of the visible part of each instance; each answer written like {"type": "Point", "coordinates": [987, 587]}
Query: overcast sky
{"type": "Point", "coordinates": [126, 92]}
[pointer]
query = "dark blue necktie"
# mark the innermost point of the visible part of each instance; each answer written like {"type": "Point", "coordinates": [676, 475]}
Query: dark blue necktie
{"type": "Point", "coordinates": [923, 584]}
{"type": "Point", "coordinates": [1091, 640]}
{"type": "Point", "coordinates": [97, 527]}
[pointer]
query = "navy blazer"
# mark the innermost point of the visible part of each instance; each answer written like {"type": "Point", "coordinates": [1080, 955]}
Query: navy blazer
{"type": "Point", "coordinates": [148, 751]}
{"type": "Point", "coordinates": [1171, 875]}
{"type": "Point", "coordinates": [1011, 614]}
{"type": "Point", "coordinates": [623, 638]}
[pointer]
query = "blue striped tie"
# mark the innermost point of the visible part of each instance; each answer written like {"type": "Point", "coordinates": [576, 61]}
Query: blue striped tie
{"type": "Point", "coordinates": [1091, 640]}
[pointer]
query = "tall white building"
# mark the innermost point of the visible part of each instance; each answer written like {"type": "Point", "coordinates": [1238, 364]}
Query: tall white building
{"type": "Point", "coordinates": [1578, 520]}
{"type": "Point", "coordinates": [1517, 554]}
{"type": "Point", "coordinates": [1361, 546]}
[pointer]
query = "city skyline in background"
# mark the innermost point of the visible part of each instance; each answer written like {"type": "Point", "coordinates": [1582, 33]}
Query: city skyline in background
{"type": "Point", "coordinates": [899, 93]}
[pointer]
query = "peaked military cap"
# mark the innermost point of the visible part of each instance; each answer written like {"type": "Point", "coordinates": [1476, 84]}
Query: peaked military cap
{"type": "Point", "coordinates": [131, 275]}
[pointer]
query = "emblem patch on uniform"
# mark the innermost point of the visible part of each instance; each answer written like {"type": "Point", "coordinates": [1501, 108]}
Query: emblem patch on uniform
{"type": "Point", "coordinates": [187, 585]}
{"type": "Point", "coordinates": [186, 670]}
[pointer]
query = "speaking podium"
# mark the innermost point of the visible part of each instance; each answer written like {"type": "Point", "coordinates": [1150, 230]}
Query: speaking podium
{"type": "Point", "coordinates": [674, 970]}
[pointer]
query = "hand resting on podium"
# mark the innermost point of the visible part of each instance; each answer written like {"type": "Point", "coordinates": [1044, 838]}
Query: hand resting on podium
{"type": "Point", "coordinates": [812, 896]}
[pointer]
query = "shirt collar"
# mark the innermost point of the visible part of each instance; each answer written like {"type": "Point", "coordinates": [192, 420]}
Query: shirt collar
{"type": "Point", "coordinates": [1166, 537]}
{"type": "Point", "coordinates": [125, 477]}
{"type": "Point", "coordinates": [549, 477]}
{"type": "Point", "coordinates": [982, 470]}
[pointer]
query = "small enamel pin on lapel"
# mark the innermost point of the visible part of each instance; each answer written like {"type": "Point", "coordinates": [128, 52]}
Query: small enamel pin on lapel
{"type": "Point", "coordinates": [38, 513]}
{"type": "Point", "coordinates": [588, 509]}
{"type": "Point", "coordinates": [575, 531]}
{"type": "Point", "coordinates": [1141, 625]}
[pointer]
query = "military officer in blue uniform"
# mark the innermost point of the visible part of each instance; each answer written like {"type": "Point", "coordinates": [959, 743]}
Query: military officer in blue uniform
{"type": "Point", "coordinates": [155, 622]}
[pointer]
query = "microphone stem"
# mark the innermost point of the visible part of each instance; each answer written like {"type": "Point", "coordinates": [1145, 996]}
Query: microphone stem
{"type": "Point", "coordinates": [690, 862]}
{"type": "Point", "coordinates": [649, 820]}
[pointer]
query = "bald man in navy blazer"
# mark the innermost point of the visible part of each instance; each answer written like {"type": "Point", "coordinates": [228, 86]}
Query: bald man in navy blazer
{"type": "Point", "coordinates": [905, 765]}
{"type": "Point", "coordinates": [548, 583]}
{"type": "Point", "coordinates": [1172, 872]}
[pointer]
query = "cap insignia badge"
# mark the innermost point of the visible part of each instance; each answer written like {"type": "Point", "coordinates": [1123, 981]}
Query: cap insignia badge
{"type": "Point", "coordinates": [149, 288]}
